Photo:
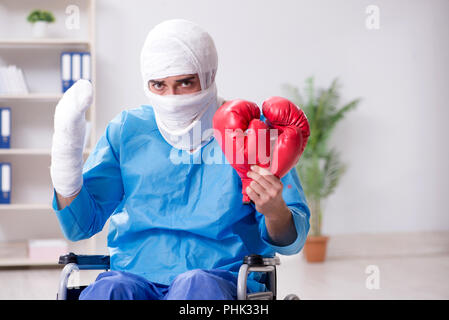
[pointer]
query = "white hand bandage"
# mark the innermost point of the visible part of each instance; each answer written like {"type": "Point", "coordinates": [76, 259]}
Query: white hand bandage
{"type": "Point", "coordinates": [68, 139]}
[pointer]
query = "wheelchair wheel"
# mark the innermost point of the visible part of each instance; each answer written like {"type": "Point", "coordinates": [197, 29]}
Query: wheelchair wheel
{"type": "Point", "coordinates": [291, 296]}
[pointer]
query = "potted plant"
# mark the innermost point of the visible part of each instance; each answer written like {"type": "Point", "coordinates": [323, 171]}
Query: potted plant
{"type": "Point", "coordinates": [319, 168]}
{"type": "Point", "coordinates": [40, 20]}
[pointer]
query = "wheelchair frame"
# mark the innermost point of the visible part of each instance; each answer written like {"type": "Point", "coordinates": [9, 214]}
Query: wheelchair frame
{"type": "Point", "coordinates": [251, 263]}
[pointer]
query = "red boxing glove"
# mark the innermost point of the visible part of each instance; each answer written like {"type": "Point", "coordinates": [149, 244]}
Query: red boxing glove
{"type": "Point", "coordinates": [243, 137]}
{"type": "Point", "coordinates": [293, 133]}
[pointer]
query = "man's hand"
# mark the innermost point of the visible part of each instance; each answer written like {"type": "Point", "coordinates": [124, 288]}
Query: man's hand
{"type": "Point", "coordinates": [266, 192]}
{"type": "Point", "coordinates": [68, 141]}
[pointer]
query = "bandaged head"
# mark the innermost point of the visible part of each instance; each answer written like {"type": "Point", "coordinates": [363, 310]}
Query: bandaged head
{"type": "Point", "coordinates": [180, 47]}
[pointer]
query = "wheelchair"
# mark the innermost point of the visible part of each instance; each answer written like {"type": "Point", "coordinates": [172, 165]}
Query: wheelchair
{"type": "Point", "coordinates": [251, 263]}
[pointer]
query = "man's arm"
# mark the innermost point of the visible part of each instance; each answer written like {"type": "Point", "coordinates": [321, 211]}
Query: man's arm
{"type": "Point", "coordinates": [282, 229]}
{"type": "Point", "coordinates": [266, 192]}
{"type": "Point", "coordinates": [68, 139]}
{"type": "Point", "coordinates": [63, 201]}
{"type": "Point", "coordinates": [85, 213]}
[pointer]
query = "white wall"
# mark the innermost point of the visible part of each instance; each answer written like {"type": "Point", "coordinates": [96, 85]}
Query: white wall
{"type": "Point", "coordinates": [394, 144]}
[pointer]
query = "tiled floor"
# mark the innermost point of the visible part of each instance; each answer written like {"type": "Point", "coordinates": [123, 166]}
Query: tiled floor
{"type": "Point", "coordinates": [409, 266]}
{"type": "Point", "coordinates": [425, 277]}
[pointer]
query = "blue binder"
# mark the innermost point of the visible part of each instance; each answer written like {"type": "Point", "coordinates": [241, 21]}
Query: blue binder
{"type": "Point", "coordinates": [5, 178]}
{"type": "Point", "coordinates": [5, 128]}
{"type": "Point", "coordinates": [66, 71]}
{"type": "Point", "coordinates": [74, 66]}
{"type": "Point", "coordinates": [86, 72]}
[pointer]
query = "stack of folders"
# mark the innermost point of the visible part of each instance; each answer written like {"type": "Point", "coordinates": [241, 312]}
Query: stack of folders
{"type": "Point", "coordinates": [5, 177]}
{"type": "Point", "coordinates": [5, 167]}
{"type": "Point", "coordinates": [12, 81]}
{"type": "Point", "coordinates": [74, 66]}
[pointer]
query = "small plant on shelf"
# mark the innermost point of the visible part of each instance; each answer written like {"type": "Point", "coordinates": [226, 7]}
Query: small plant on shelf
{"type": "Point", "coordinates": [41, 15]}
{"type": "Point", "coordinates": [40, 20]}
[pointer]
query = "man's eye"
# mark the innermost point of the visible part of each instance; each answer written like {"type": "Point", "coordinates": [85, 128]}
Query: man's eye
{"type": "Point", "coordinates": [186, 83]}
{"type": "Point", "coordinates": [158, 86]}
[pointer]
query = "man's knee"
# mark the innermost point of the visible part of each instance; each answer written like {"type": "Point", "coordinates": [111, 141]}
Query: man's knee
{"type": "Point", "coordinates": [200, 284]}
{"type": "Point", "coordinates": [111, 285]}
{"type": "Point", "coordinates": [191, 276]}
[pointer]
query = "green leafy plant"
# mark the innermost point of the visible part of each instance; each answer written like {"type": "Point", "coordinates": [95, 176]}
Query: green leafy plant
{"type": "Point", "coordinates": [40, 15]}
{"type": "Point", "coordinates": [320, 168]}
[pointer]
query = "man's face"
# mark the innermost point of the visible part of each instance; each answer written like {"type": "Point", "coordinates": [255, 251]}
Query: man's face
{"type": "Point", "coordinates": [184, 84]}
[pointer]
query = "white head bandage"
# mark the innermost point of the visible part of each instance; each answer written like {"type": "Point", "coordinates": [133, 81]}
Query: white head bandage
{"type": "Point", "coordinates": [180, 47]}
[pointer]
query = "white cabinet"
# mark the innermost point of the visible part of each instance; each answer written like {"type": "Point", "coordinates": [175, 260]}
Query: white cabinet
{"type": "Point", "coordinates": [29, 216]}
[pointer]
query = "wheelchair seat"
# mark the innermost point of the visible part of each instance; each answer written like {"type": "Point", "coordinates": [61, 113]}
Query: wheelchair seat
{"type": "Point", "coordinates": [251, 263]}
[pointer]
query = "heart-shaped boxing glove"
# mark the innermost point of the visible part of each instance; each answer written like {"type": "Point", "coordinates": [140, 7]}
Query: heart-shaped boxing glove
{"type": "Point", "coordinates": [246, 140]}
{"type": "Point", "coordinates": [236, 127]}
{"type": "Point", "coordinates": [293, 133]}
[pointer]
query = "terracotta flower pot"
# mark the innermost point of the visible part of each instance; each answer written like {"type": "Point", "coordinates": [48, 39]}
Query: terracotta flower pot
{"type": "Point", "coordinates": [315, 248]}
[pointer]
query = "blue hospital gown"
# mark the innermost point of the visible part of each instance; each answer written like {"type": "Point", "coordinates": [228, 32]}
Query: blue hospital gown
{"type": "Point", "coordinates": [171, 211]}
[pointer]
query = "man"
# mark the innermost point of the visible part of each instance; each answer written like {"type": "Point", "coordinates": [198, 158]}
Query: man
{"type": "Point", "coordinates": [177, 230]}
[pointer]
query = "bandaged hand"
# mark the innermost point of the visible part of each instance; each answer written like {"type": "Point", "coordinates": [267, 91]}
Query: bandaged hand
{"type": "Point", "coordinates": [68, 139]}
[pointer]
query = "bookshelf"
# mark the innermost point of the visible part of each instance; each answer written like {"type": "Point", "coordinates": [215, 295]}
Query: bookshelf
{"type": "Point", "coordinates": [44, 42]}
{"type": "Point", "coordinates": [30, 151]}
{"type": "Point", "coordinates": [30, 216]}
{"type": "Point", "coordinates": [27, 206]}
{"type": "Point", "coordinates": [32, 96]}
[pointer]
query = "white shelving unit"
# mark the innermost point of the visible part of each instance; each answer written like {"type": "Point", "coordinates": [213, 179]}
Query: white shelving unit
{"type": "Point", "coordinates": [28, 206]}
{"type": "Point", "coordinates": [32, 96]}
{"type": "Point", "coordinates": [32, 122]}
{"type": "Point", "coordinates": [43, 42]}
{"type": "Point", "coordinates": [29, 151]}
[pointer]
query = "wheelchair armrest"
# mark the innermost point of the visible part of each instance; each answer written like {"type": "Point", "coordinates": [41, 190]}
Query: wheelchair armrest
{"type": "Point", "coordinates": [74, 262]}
{"type": "Point", "coordinates": [258, 263]}
{"type": "Point", "coordinates": [86, 262]}
{"type": "Point", "coordinates": [256, 260]}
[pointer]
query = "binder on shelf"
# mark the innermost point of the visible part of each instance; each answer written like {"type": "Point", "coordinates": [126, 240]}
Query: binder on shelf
{"type": "Point", "coordinates": [5, 176]}
{"type": "Point", "coordinates": [74, 66]}
{"type": "Point", "coordinates": [66, 70]}
{"type": "Point", "coordinates": [86, 72]}
{"type": "Point", "coordinates": [5, 128]}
